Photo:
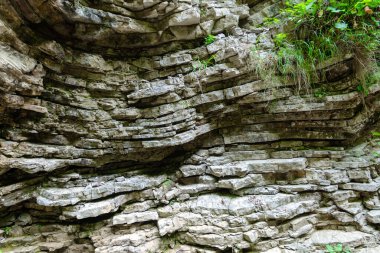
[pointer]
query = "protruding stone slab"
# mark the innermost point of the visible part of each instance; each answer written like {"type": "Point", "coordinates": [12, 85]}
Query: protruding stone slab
{"type": "Point", "coordinates": [324, 237]}
{"type": "Point", "coordinates": [134, 217]}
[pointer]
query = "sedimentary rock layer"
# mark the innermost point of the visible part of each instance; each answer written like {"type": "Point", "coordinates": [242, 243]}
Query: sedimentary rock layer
{"type": "Point", "coordinates": [115, 136]}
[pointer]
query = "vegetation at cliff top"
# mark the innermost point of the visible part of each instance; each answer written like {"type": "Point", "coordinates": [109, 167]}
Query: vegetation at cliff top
{"type": "Point", "coordinates": [318, 30]}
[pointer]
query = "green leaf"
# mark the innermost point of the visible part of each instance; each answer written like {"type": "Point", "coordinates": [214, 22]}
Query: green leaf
{"type": "Point", "coordinates": [280, 38]}
{"type": "Point", "coordinates": [333, 9]}
{"type": "Point", "coordinates": [341, 25]}
{"type": "Point", "coordinates": [375, 134]}
{"type": "Point", "coordinates": [209, 39]}
{"type": "Point", "coordinates": [339, 247]}
{"type": "Point", "coordinates": [311, 8]}
{"type": "Point", "coordinates": [371, 3]}
{"type": "Point", "coordinates": [359, 6]}
{"type": "Point", "coordinates": [376, 21]}
{"type": "Point", "coordinates": [330, 248]}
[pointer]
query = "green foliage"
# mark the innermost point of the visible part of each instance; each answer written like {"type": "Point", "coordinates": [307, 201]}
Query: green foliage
{"type": "Point", "coordinates": [7, 231]}
{"type": "Point", "coordinates": [374, 78]}
{"type": "Point", "coordinates": [342, 14]}
{"type": "Point", "coordinates": [376, 134]}
{"type": "Point", "coordinates": [204, 64]}
{"type": "Point", "coordinates": [323, 29]}
{"type": "Point", "coordinates": [271, 21]}
{"type": "Point", "coordinates": [203, 11]}
{"type": "Point", "coordinates": [337, 248]}
{"type": "Point", "coordinates": [320, 93]}
{"type": "Point", "coordinates": [280, 38]}
{"type": "Point", "coordinates": [209, 39]}
{"type": "Point", "coordinates": [362, 89]}
{"type": "Point", "coordinates": [167, 183]}
{"type": "Point", "coordinates": [169, 242]}
{"type": "Point", "coordinates": [263, 67]}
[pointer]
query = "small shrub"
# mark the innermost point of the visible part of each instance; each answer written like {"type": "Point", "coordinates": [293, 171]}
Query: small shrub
{"type": "Point", "coordinates": [203, 11]}
{"type": "Point", "coordinates": [271, 21]}
{"type": "Point", "coordinates": [280, 38]}
{"type": "Point", "coordinates": [337, 248]}
{"type": "Point", "coordinates": [209, 39]}
{"type": "Point", "coordinates": [362, 89]}
{"type": "Point", "coordinates": [7, 231]}
{"type": "Point", "coordinates": [320, 30]}
{"type": "Point", "coordinates": [204, 64]}
{"type": "Point", "coordinates": [320, 93]}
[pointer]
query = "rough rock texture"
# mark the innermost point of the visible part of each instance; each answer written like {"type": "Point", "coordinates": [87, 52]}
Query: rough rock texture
{"type": "Point", "coordinates": [114, 138]}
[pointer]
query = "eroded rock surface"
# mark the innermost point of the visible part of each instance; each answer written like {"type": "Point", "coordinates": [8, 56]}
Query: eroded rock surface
{"type": "Point", "coordinates": [114, 136]}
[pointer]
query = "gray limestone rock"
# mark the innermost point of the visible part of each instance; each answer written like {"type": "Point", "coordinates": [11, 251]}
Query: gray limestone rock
{"type": "Point", "coordinates": [374, 216]}
{"type": "Point", "coordinates": [134, 217]}
{"type": "Point", "coordinates": [151, 126]}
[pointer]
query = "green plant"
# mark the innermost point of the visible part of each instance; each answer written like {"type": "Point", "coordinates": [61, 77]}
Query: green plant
{"type": "Point", "coordinates": [271, 21]}
{"type": "Point", "coordinates": [280, 38]}
{"type": "Point", "coordinates": [204, 64]}
{"type": "Point", "coordinates": [167, 183]}
{"type": "Point", "coordinates": [202, 8]}
{"type": "Point", "coordinates": [337, 248]}
{"type": "Point", "coordinates": [7, 231]}
{"type": "Point", "coordinates": [362, 89]}
{"type": "Point", "coordinates": [203, 11]}
{"type": "Point", "coordinates": [376, 135]}
{"type": "Point", "coordinates": [320, 30]}
{"type": "Point", "coordinates": [169, 242]}
{"type": "Point", "coordinates": [263, 67]}
{"type": "Point", "coordinates": [209, 39]}
{"type": "Point", "coordinates": [320, 93]}
{"type": "Point", "coordinates": [373, 79]}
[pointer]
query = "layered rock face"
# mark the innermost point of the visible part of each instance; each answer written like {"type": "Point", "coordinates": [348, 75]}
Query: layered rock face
{"type": "Point", "coordinates": [121, 131]}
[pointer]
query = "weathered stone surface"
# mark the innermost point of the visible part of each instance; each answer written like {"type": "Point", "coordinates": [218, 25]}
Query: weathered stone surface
{"type": "Point", "coordinates": [324, 237]}
{"type": "Point", "coordinates": [134, 217]}
{"type": "Point", "coordinates": [374, 216]}
{"type": "Point", "coordinates": [116, 137]}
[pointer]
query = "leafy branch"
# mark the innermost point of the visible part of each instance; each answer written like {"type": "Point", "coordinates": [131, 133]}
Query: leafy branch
{"type": "Point", "coordinates": [320, 30]}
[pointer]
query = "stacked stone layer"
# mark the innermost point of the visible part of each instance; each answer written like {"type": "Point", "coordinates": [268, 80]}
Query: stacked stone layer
{"type": "Point", "coordinates": [115, 138]}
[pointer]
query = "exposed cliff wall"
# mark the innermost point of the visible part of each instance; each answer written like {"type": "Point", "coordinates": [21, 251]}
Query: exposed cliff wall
{"type": "Point", "coordinates": [115, 138]}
